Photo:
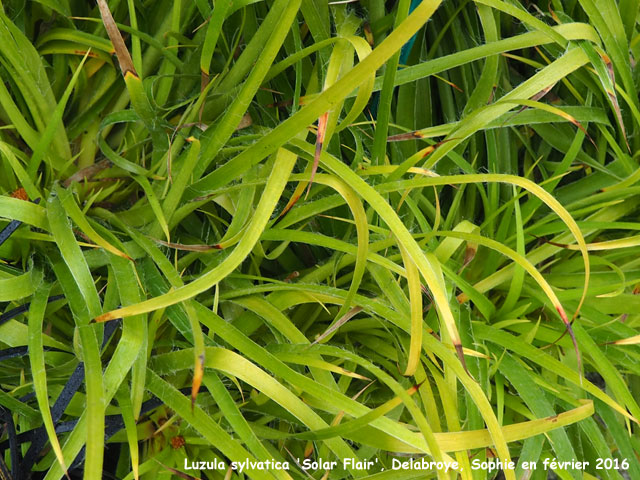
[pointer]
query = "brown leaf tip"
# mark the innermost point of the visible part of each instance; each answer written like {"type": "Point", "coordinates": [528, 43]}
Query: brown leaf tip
{"type": "Point", "coordinates": [428, 152]}
{"type": "Point", "coordinates": [124, 59]}
{"type": "Point", "coordinates": [415, 388]}
{"type": "Point", "coordinates": [104, 317]}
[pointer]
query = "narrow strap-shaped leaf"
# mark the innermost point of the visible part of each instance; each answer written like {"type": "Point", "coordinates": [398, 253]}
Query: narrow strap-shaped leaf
{"type": "Point", "coordinates": [255, 45]}
{"type": "Point", "coordinates": [26, 212]}
{"type": "Point", "coordinates": [122, 162]}
{"type": "Point", "coordinates": [243, 205]}
{"type": "Point", "coordinates": [154, 203]}
{"type": "Point", "coordinates": [362, 230]}
{"type": "Point", "coordinates": [135, 40]}
{"type": "Point", "coordinates": [213, 32]}
{"type": "Point", "coordinates": [32, 190]}
{"type": "Point", "coordinates": [53, 125]}
{"type": "Point", "coordinates": [135, 330]}
{"type": "Point", "coordinates": [604, 71]}
{"type": "Point", "coordinates": [181, 179]}
{"type": "Point", "coordinates": [124, 402]}
{"type": "Point", "coordinates": [71, 207]}
{"type": "Point", "coordinates": [36, 359]}
{"type": "Point", "coordinates": [121, 51]}
{"type": "Point", "coordinates": [95, 402]}
{"type": "Point", "coordinates": [383, 108]}
{"type": "Point", "coordinates": [415, 300]}
{"type": "Point", "coordinates": [362, 49]}
{"type": "Point", "coordinates": [72, 255]}
{"type": "Point", "coordinates": [16, 287]}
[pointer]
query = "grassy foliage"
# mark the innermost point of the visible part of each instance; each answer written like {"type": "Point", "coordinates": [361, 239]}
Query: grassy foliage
{"type": "Point", "coordinates": [289, 229]}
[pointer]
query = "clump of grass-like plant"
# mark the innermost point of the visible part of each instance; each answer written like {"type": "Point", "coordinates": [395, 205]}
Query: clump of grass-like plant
{"type": "Point", "coordinates": [282, 231]}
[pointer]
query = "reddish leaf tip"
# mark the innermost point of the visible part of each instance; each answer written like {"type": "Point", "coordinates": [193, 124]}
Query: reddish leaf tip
{"type": "Point", "coordinates": [562, 314]}
{"type": "Point", "coordinates": [104, 317]}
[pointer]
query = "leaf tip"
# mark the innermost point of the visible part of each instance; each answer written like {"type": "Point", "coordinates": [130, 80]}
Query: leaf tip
{"type": "Point", "coordinates": [105, 317]}
{"type": "Point", "coordinates": [198, 373]}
